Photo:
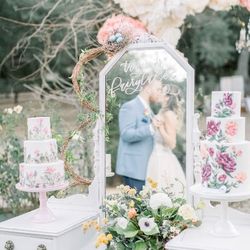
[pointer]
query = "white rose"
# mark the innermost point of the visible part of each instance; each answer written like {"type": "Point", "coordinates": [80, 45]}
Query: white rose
{"type": "Point", "coordinates": [187, 212]}
{"type": "Point", "coordinates": [147, 224]}
{"type": "Point", "coordinates": [160, 200]}
{"type": "Point", "coordinates": [9, 111]}
{"type": "Point", "coordinates": [122, 222]}
{"type": "Point", "coordinates": [18, 109]}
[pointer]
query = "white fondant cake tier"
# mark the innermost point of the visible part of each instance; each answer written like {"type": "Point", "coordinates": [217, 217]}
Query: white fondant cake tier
{"type": "Point", "coordinates": [44, 175]}
{"type": "Point", "coordinates": [230, 129]}
{"type": "Point", "coordinates": [226, 166]}
{"type": "Point", "coordinates": [40, 151]}
{"type": "Point", "coordinates": [226, 104]}
{"type": "Point", "coordinates": [39, 128]}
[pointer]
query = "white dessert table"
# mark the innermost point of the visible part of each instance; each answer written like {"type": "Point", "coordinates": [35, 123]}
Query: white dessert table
{"type": "Point", "coordinates": [201, 238]}
{"type": "Point", "coordinates": [65, 233]}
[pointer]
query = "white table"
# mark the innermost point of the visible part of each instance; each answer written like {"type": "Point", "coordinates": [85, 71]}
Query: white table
{"type": "Point", "coordinates": [201, 239]}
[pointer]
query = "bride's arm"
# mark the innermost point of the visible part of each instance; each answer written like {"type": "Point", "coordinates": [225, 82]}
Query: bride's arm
{"type": "Point", "coordinates": [168, 129]}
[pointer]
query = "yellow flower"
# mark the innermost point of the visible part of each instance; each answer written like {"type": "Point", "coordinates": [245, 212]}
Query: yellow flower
{"type": "Point", "coordinates": [132, 191]}
{"type": "Point", "coordinates": [154, 184]}
{"type": "Point", "coordinates": [109, 237]}
{"type": "Point", "coordinates": [131, 203]}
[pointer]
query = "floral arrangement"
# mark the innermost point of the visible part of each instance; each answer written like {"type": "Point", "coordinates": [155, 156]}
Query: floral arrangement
{"type": "Point", "coordinates": [164, 18]}
{"type": "Point", "coordinates": [225, 107]}
{"type": "Point", "coordinates": [219, 168]}
{"type": "Point", "coordinates": [145, 220]}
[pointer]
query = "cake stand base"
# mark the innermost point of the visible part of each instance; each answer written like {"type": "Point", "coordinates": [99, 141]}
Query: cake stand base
{"type": "Point", "coordinates": [43, 214]}
{"type": "Point", "coordinates": [223, 227]}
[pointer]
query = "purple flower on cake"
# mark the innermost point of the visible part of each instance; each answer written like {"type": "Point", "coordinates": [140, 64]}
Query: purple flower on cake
{"type": "Point", "coordinates": [211, 151]}
{"type": "Point", "coordinates": [226, 162]}
{"type": "Point", "coordinates": [227, 99]}
{"type": "Point", "coordinates": [222, 177]}
{"type": "Point", "coordinates": [206, 172]}
{"type": "Point", "coordinates": [213, 128]}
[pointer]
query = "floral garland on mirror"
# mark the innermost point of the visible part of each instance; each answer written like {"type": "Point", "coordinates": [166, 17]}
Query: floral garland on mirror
{"type": "Point", "coordinates": [117, 32]}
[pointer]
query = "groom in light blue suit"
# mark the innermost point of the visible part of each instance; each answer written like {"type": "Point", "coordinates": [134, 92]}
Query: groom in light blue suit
{"type": "Point", "coordinates": [136, 135]}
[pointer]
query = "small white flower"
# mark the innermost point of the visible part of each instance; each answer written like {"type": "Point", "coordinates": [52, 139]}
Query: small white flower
{"type": "Point", "coordinates": [187, 212]}
{"type": "Point", "coordinates": [122, 222]}
{"type": "Point", "coordinates": [8, 111]}
{"type": "Point", "coordinates": [160, 200]}
{"type": "Point", "coordinates": [147, 224]}
{"type": "Point", "coordinates": [18, 109]}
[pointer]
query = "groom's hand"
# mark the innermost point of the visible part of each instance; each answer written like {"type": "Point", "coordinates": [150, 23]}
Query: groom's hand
{"type": "Point", "coordinates": [156, 122]}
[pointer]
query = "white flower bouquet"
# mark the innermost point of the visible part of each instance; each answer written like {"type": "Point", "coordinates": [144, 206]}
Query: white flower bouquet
{"type": "Point", "coordinates": [145, 220]}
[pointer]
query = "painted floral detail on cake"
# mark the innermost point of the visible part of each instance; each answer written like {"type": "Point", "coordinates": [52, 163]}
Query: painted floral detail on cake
{"type": "Point", "coordinates": [219, 168]}
{"type": "Point", "coordinates": [225, 107]}
{"type": "Point", "coordinates": [231, 128]}
{"type": "Point", "coordinates": [39, 157]}
{"type": "Point", "coordinates": [39, 131]}
{"type": "Point", "coordinates": [216, 133]}
{"type": "Point", "coordinates": [47, 179]}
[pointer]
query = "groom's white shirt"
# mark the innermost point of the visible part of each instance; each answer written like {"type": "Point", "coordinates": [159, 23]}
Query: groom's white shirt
{"type": "Point", "coordinates": [146, 106]}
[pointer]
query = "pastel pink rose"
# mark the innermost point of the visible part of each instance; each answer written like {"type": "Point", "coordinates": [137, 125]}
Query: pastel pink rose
{"type": "Point", "coordinates": [50, 170]}
{"type": "Point", "coordinates": [222, 177]}
{"type": "Point", "coordinates": [245, 3]}
{"type": "Point", "coordinates": [122, 24]}
{"type": "Point", "coordinates": [231, 128]}
{"type": "Point", "coordinates": [241, 176]}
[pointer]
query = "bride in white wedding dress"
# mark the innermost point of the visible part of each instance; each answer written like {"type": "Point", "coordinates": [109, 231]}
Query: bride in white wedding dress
{"type": "Point", "coordinates": [164, 167]}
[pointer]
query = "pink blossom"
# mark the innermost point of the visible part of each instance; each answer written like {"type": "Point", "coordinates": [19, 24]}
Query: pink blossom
{"type": "Point", "coordinates": [203, 151]}
{"type": "Point", "coordinates": [226, 162]}
{"type": "Point", "coordinates": [245, 3]}
{"type": "Point", "coordinates": [122, 24]}
{"type": "Point", "coordinates": [50, 170]}
{"type": "Point", "coordinates": [206, 172]}
{"type": "Point", "coordinates": [211, 151]}
{"type": "Point", "coordinates": [222, 177]}
{"type": "Point", "coordinates": [213, 128]}
{"type": "Point", "coordinates": [239, 153]}
{"type": "Point", "coordinates": [231, 128]}
{"type": "Point", "coordinates": [241, 176]}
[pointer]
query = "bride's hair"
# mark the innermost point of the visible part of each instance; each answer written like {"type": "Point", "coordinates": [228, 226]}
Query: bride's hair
{"type": "Point", "coordinates": [174, 104]}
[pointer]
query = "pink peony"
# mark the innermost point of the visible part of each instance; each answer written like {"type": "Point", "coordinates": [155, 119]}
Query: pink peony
{"type": "Point", "coordinates": [241, 177]}
{"type": "Point", "coordinates": [213, 128]}
{"type": "Point", "coordinates": [226, 162]}
{"type": "Point", "coordinates": [123, 24]}
{"type": "Point", "coordinates": [206, 172]}
{"type": "Point", "coordinates": [228, 100]}
{"type": "Point", "coordinates": [231, 128]}
{"type": "Point", "coordinates": [245, 3]}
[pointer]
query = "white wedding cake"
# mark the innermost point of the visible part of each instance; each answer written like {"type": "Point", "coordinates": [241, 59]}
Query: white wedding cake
{"type": "Point", "coordinates": [41, 167]}
{"type": "Point", "coordinates": [225, 152]}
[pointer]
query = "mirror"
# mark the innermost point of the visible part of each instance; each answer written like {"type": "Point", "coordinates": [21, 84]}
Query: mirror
{"type": "Point", "coordinates": [146, 97]}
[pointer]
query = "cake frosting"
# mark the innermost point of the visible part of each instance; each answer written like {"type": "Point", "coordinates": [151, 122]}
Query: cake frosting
{"type": "Point", "coordinates": [225, 152]}
{"type": "Point", "coordinates": [41, 167]}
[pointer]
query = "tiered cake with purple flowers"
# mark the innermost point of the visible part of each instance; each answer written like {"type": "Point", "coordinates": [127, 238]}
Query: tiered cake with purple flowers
{"type": "Point", "coordinates": [41, 167]}
{"type": "Point", "coordinates": [225, 152]}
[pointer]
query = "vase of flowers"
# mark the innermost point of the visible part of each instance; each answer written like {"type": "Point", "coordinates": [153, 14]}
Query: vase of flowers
{"type": "Point", "coordinates": [144, 220]}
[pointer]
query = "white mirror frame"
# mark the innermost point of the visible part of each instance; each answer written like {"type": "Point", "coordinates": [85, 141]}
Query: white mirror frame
{"type": "Point", "coordinates": [189, 109]}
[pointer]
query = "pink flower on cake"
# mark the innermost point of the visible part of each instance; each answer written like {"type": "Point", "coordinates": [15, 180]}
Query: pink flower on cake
{"type": "Point", "coordinates": [37, 153]}
{"type": "Point", "coordinates": [211, 151]}
{"type": "Point", "coordinates": [222, 177]}
{"type": "Point", "coordinates": [227, 163]}
{"type": "Point", "coordinates": [203, 151]}
{"type": "Point", "coordinates": [241, 176]}
{"type": "Point", "coordinates": [227, 99]}
{"type": "Point", "coordinates": [213, 128]}
{"type": "Point", "coordinates": [120, 24]}
{"type": "Point", "coordinates": [50, 170]}
{"type": "Point", "coordinates": [231, 128]}
{"type": "Point", "coordinates": [206, 172]}
{"type": "Point", "coordinates": [245, 3]}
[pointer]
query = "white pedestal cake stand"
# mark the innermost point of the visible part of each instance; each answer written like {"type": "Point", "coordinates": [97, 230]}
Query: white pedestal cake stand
{"type": "Point", "coordinates": [44, 215]}
{"type": "Point", "coordinates": [223, 227]}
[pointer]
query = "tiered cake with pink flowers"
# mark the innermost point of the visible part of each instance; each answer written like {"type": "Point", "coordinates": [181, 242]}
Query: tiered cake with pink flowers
{"type": "Point", "coordinates": [225, 152]}
{"type": "Point", "coordinates": [41, 167]}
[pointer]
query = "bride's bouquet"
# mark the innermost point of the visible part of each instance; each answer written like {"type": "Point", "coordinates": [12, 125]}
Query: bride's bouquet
{"type": "Point", "coordinates": [145, 220]}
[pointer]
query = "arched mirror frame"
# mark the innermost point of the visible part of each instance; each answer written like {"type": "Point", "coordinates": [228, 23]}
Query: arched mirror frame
{"type": "Point", "coordinates": [189, 109]}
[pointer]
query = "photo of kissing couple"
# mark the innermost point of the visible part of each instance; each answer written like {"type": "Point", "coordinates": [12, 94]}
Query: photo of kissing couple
{"type": "Point", "coordinates": [146, 139]}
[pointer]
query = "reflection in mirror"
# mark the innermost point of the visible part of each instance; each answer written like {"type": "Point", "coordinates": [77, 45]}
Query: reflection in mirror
{"type": "Point", "coordinates": [146, 120]}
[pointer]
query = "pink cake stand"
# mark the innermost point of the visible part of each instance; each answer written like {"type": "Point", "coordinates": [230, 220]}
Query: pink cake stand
{"type": "Point", "coordinates": [43, 214]}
